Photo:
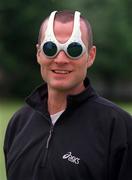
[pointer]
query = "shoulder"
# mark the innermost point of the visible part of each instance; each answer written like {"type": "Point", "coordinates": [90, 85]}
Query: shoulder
{"type": "Point", "coordinates": [22, 114]}
{"type": "Point", "coordinates": [16, 123]}
{"type": "Point", "coordinates": [108, 105]}
{"type": "Point", "coordinates": [113, 111]}
{"type": "Point", "coordinates": [118, 120]}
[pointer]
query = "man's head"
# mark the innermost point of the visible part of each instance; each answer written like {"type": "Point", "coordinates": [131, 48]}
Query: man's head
{"type": "Point", "coordinates": [64, 17]}
{"type": "Point", "coordinates": [65, 50]}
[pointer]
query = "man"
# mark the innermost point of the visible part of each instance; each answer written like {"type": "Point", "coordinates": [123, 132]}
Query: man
{"type": "Point", "coordinates": [66, 130]}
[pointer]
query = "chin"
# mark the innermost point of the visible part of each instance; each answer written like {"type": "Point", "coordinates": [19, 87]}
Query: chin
{"type": "Point", "coordinates": [60, 86]}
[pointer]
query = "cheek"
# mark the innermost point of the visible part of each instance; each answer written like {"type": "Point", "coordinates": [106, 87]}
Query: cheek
{"type": "Point", "coordinates": [85, 71]}
{"type": "Point", "coordinates": [44, 73]}
{"type": "Point", "coordinates": [43, 68]}
{"type": "Point", "coordinates": [43, 63]}
{"type": "Point", "coordinates": [82, 68]}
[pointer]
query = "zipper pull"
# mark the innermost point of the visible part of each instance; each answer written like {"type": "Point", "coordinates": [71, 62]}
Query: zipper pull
{"type": "Point", "coordinates": [47, 146]}
{"type": "Point", "coordinates": [49, 137]}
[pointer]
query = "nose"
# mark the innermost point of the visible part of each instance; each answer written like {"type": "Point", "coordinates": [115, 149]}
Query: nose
{"type": "Point", "coordinates": [61, 58]}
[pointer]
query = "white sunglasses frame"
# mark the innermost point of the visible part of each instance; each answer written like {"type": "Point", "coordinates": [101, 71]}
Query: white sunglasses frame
{"type": "Point", "coordinates": [75, 37]}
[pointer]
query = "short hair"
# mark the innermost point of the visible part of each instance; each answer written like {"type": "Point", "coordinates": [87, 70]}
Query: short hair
{"type": "Point", "coordinates": [67, 16]}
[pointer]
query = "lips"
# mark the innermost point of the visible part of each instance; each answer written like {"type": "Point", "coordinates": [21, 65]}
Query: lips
{"type": "Point", "coordinates": [61, 71]}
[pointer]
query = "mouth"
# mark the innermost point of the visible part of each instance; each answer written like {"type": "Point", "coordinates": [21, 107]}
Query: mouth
{"type": "Point", "coordinates": [61, 71]}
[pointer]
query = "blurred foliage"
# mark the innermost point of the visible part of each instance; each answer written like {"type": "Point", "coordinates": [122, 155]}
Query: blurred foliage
{"type": "Point", "coordinates": [19, 26]}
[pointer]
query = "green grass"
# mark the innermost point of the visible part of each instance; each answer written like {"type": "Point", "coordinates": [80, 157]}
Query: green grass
{"type": "Point", "coordinates": [126, 106]}
{"type": "Point", "coordinates": [6, 111]}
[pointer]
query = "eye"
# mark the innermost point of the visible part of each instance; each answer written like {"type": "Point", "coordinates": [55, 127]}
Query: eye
{"type": "Point", "coordinates": [49, 48]}
{"type": "Point", "coordinates": [74, 49]}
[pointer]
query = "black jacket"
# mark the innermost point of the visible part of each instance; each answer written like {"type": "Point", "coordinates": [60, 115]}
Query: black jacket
{"type": "Point", "coordinates": [92, 140]}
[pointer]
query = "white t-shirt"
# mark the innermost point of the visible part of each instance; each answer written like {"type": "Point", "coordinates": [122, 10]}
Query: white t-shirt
{"type": "Point", "coordinates": [55, 116]}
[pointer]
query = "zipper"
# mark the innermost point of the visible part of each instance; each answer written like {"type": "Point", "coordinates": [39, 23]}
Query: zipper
{"type": "Point", "coordinates": [47, 146]}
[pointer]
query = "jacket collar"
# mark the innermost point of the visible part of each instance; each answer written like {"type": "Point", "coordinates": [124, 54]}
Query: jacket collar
{"type": "Point", "coordinates": [38, 98]}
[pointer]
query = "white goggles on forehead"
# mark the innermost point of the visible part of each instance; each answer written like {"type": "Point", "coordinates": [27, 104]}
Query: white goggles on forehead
{"type": "Point", "coordinates": [74, 47]}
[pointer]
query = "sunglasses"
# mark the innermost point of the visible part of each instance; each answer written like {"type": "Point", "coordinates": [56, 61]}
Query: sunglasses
{"type": "Point", "coordinates": [74, 47]}
{"type": "Point", "coordinates": [73, 50]}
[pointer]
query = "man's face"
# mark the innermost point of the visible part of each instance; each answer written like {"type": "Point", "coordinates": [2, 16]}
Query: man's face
{"type": "Point", "coordinates": [62, 73]}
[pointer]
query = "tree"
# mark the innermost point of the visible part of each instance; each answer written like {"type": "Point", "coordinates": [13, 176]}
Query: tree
{"type": "Point", "coordinates": [20, 21]}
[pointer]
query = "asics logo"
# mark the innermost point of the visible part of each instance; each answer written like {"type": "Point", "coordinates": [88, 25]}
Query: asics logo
{"type": "Point", "coordinates": [71, 158]}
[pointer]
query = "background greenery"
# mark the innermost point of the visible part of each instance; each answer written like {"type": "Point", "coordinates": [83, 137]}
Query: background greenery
{"type": "Point", "coordinates": [19, 73]}
{"type": "Point", "coordinates": [6, 111]}
{"type": "Point", "coordinates": [112, 27]}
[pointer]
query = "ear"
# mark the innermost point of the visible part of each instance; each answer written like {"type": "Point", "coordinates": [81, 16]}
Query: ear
{"type": "Point", "coordinates": [38, 53]}
{"type": "Point", "coordinates": [91, 56]}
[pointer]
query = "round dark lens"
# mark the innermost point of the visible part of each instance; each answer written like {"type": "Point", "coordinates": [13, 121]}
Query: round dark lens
{"type": "Point", "coordinates": [74, 49]}
{"type": "Point", "coordinates": [49, 48]}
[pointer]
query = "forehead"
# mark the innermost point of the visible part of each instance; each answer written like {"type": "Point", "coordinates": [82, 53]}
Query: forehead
{"type": "Point", "coordinates": [64, 27]}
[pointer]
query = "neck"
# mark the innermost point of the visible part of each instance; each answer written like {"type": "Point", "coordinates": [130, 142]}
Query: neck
{"type": "Point", "coordinates": [56, 102]}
